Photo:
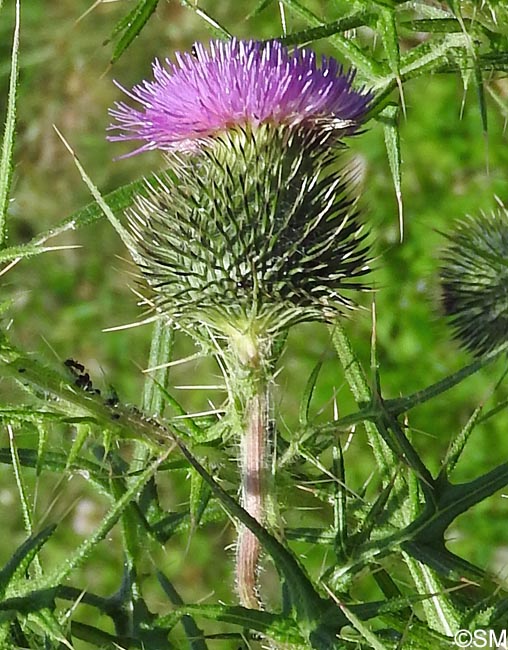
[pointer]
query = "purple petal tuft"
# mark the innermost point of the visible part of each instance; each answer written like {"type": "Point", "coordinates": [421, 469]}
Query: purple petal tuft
{"type": "Point", "coordinates": [232, 84]}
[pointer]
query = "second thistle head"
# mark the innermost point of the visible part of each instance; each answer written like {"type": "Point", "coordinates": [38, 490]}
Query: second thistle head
{"type": "Point", "coordinates": [474, 281]}
{"type": "Point", "coordinates": [256, 224]}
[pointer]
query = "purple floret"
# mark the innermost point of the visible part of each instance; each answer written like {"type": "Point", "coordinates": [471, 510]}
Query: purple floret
{"type": "Point", "coordinates": [234, 84]}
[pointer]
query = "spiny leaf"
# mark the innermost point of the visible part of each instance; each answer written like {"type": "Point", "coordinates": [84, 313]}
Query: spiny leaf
{"type": "Point", "coordinates": [369, 67]}
{"type": "Point", "coordinates": [389, 118]}
{"type": "Point", "coordinates": [261, 6]}
{"type": "Point", "coordinates": [458, 444]}
{"type": "Point", "coordinates": [440, 610]}
{"type": "Point", "coordinates": [79, 556]}
{"type": "Point", "coordinates": [132, 25]}
{"type": "Point", "coordinates": [57, 462]}
{"type": "Point", "coordinates": [429, 55]}
{"type": "Point", "coordinates": [275, 626]}
{"type": "Point", "coordinates": [481, 97]}
{"type": "Point", "coordinates": [193, 632]}
{"type": "Point", "coordinates": [303, 416]}
{"type": "Point", "coordinates": [156, 382]}
{"type": "Point", "coordinates": [47, 621]}
{"type": "Point", "coordinates": [365, 632]}
{"type": "Point", "coordinates": [326, 30]}
{"type": "Point", "coordinates": [124, 235]}
{"type": "Point", "coordinates": [401, 405]}
{"type": "Point", "coordinates": [455, 499]}
{"type": "Point", "coordinates": [199, 497]}
{"type": "Point", "coordinates": [26, 507]}
{"type": "Point", "coordinates": [446, 564]}
{"type": "Point", "coordinates": [388, 28]}
{"type": "Point", "coordinates": [118, 200]}
{"type": "Point", "coordinates": [22, 558]}
{"type": "Point", "coordinates": [340, 502]}
{"type": "Point", "coordinates": [216, 28]}
{"type": "Point", "coordinates": [6, 158]}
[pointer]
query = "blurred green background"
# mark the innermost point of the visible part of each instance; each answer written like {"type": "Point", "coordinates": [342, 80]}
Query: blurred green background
{"type": "Point", "coordinates": [62, 301]}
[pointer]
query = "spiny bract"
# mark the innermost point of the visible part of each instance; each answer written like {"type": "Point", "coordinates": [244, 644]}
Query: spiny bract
{"type": "Point", "coordinates": [263, 228]}
{"type": "Point", "coordinates": [474, 281]}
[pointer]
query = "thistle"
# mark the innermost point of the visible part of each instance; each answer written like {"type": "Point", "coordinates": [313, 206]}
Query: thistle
{"type": "Point", "coordinates": [256, 225]}
{"type": "Point", "coordinates": [236, 83]}
{"type": "Point", "coordinates": [474, 281]}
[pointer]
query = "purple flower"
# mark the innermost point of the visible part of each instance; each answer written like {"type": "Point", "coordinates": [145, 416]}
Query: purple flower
{"type": "Point", "coordinates": [235, 84]}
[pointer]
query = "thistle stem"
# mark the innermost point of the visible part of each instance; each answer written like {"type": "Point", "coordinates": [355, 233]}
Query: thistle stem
{"type": "Point", "coordinates": [253, 445]}
{"type": "Point", "coordinates": [252, 407]}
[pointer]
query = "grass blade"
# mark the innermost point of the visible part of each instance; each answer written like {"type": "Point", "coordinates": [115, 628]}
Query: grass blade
{"type": "Point", "coordinates": [6, 163]}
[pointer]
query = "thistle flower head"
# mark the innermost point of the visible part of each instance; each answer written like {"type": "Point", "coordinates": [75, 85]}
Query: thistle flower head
{"type": "Point", "coordinates": [237, 84]}
{"type": "Point", "coordinates": [259, 227]}
{"type": "Point", "coordinates": [474, 281]}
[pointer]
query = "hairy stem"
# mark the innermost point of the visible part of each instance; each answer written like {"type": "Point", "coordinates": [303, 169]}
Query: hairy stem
{"type": "Point", "coordinates": [253, 446]}
{"type": "Point", "coordinates": [252, 406]}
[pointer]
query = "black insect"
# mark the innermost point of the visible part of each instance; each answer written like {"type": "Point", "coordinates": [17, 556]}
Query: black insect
{"type": "Point", "coordinates": [113, 399]}
{"type": "Point", "coordinates": [82, 377]}
{"type": "Point", "coordinates": [74, 366]}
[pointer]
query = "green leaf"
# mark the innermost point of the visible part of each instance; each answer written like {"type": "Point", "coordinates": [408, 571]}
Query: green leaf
{"type": "Point", "coordinates": [194, 634]}
{"type": "Point", "coordinates": [389, 118]}
{"type": "Point", "coordinates": [440, 610]}
{"type": "Point", "coordinates": [458, 444]}
{"type": "Point", "coordinates": [48, 622]}
{"type": "Point", "coordinates": [199, 497]}
{"type": "Point", "coordinates": [124, 420]}
{"type": "Point", "coordinates": [340, 502]}
{"type": "Point", "coordinates": [401, 405]}
{"type": "Point", "coordinates": [99, 639]}
{"type": "Point", "coordinates": [456, 499]}
{"type": "Point", "coordinates": [435, 25]}
{"type": "Point", "coordinates": [365, 632]}
{"type": "Point", "coordinates": [6, 158]}
{"type": "Point", "coordinates": [370, 68]}
{"type": "Point", "coordinates": [353, 21]}
{"type": "Point", "coordinates": [216, 28]}
{"type": "Point", "coordinates": [481, 97]}
{"type": "Point", "coordinates": [57, 462]}
{"type": "Point", "coordinates": [123, 233]}
{"type": "Point", "coordinates": [377, 510]}
{"type": "Point", "coordinates": [23, 556]}
{"type": "Point", "coordinates": [261, 6]}
{"type": "Point", "coordinates": [388, 28]}
{"type": "Point", "coordinates": [156, 382]}
{"type": "Point", "coordinates": [357, 380]}
{"type": "Point", "coordinates": [26, 507]}
{"type": "Point", "coordinates": [132, 25]}
{"type": "Point", "coordinates": [118, 200]}
{"type": "Point", "coordinates": [303, 416]}
{"type": "Point", "coordinates": [430, 55]}
{"type": "Point", "coordinates": [274, 626]}
{"type": "Point", "coordinates": [60, 572]}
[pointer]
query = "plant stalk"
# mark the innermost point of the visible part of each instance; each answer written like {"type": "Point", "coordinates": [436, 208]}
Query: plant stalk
{"type": "Point", "coordinates": [252, 405]}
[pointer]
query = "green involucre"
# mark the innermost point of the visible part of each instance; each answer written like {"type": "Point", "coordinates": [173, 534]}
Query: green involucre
{"type": "Point", "coordinates": [474, 281]}
{"type": "Point", "coordinates": [259, 229]}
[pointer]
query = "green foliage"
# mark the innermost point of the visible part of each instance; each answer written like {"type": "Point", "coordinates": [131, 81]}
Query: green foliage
{"type": "Point", "coordinates": [365, 563]}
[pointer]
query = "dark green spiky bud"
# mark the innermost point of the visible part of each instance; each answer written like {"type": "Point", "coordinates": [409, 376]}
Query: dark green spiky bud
{"type": "Point", "coordinates": [474, 281]}
{"type": "Point", "coordinates": [260, 230]}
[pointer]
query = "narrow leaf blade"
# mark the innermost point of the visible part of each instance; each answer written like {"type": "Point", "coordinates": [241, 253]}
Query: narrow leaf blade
{"type": "Point", "coordinates": [6, 158]}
